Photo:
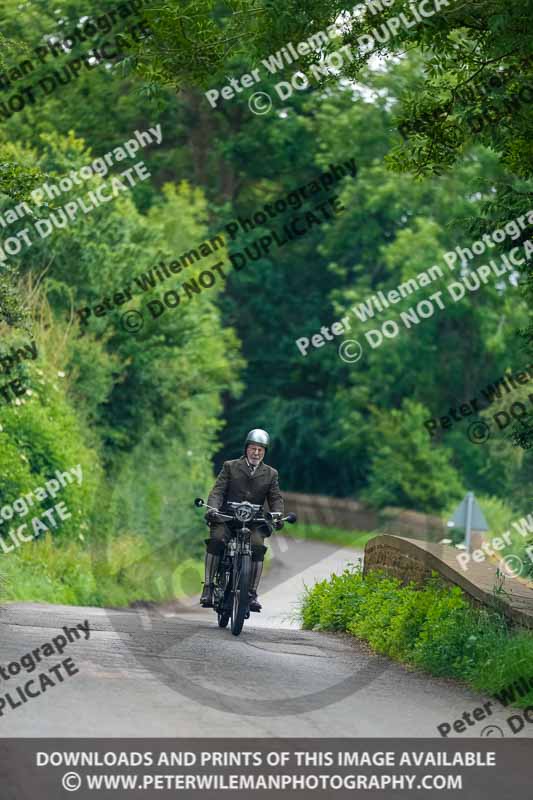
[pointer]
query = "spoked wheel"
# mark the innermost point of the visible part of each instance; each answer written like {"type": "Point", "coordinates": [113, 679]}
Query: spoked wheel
{"type": "Point", "coordinates": [224, 607]}
{"type": "Point", "coordinates": [240, 595]}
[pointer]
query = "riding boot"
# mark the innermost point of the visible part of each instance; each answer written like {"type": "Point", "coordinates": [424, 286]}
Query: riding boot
{"type": "Point", "coordinates": [255, 577]}
{"type": "Point", "coordinates": [212, 560]}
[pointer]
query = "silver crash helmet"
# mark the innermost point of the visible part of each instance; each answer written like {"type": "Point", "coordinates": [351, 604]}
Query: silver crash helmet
{"type": "Point", "coordinates": [257, 436]}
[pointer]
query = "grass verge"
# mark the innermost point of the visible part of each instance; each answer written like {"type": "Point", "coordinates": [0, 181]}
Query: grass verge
{"type": "Point", "coordinates": [343, 538]}
{"type": "Point", "coordinates": [433, 627]}
{"type": "Point", "coordinates": [121, 571]}
{"type": "Point", "coordinates": [116, 573]}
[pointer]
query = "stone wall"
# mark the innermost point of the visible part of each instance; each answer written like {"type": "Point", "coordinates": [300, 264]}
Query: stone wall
{"type": "Point", "coordinates": [411, 560]}
{"type": "Point", "coordinates": [313, 509]}
{"type": "Point", "coordinates": [407, 564]}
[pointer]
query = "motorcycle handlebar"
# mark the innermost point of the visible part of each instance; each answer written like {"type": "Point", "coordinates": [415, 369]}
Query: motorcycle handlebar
{"type": "Point", "coordinates": [228, 517]}
{"type": "Point", "coordinates": [290, 518]}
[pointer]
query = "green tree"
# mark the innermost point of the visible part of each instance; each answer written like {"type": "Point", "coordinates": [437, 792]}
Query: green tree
{"type": "Point", "coordinates": [404, 468]}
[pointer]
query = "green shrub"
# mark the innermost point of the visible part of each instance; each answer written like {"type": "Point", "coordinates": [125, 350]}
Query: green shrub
{"type": "Point", "coordinates": [405, 617]}
{"type": "Point", "coordinates": [41, 433]}
{"type": "Point", "coordinates": [406, 469]}
{"type": "Point", "coordinates": [333, 603]}
{"type": "Point", "coordinates": [432, 627]}
{"type": "Point", "coordinates": [453, 637]}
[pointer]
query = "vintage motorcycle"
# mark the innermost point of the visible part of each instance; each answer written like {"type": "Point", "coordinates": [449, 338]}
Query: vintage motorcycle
{"type": "Point", "coordinates": [232, 581]}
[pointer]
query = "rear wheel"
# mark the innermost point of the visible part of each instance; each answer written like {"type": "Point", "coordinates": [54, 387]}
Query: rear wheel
{"type": "Point", "coordinates": [223, 619]}
{"type": "Point", "coordinates": [240, 595]}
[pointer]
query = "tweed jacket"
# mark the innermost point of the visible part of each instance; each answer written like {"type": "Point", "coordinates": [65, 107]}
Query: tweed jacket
{"type": "Point", "coordinates": [235, 484]}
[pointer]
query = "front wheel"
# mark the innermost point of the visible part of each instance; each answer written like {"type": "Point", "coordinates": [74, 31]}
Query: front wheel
{"type": "Point", "coordinates": [240, 595]}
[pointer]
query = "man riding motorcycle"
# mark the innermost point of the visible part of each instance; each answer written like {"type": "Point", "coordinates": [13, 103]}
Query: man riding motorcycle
{"type": "Point", "coordinates": [244, 478]}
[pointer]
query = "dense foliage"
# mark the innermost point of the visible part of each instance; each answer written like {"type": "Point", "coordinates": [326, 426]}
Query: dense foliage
{"type": "Point", "coordinates": [148, 413]}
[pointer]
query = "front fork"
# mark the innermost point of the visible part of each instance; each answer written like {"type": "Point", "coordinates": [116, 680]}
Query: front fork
{"type": "Point", "coordinates": [222, 599]}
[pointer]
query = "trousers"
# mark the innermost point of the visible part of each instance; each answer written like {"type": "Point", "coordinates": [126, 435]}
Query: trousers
{"type": "Point", "coordinates": [220, 533]}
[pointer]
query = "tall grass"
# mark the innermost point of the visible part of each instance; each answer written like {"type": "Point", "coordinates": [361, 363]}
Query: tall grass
{"type": "Point", "coordinates": [114, 573]}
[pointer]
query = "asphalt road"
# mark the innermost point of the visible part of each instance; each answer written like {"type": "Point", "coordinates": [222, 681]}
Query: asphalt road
{"type": "Point", "coordinates": [173, 672]}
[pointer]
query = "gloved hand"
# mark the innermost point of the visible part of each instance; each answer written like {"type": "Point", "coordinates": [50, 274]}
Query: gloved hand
{"type": "Point", "coordinates": [211, 517]}
{"type": "Point", "coordinates": [278, 524]}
